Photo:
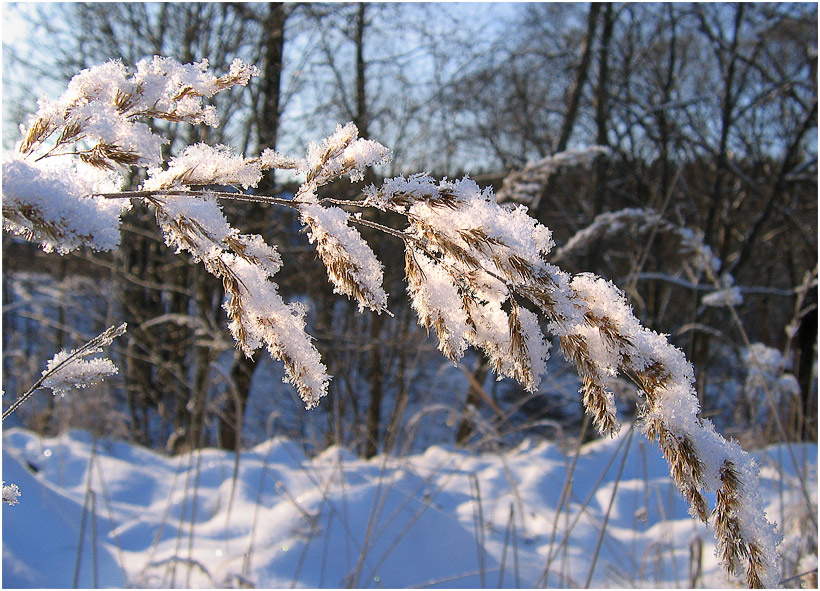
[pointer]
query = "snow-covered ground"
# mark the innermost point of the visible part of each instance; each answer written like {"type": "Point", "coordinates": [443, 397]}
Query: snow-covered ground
{"type": "Point", "coordinates": [112, 514]}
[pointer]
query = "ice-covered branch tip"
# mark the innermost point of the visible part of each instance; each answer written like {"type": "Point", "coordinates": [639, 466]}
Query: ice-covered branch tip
{"type": "Point", "coordinates": [689, 246]}
{"type": "Point", "coordinates": [100, 122]}
{"type": "Point", "coordinates": [55, 205]}
{"type": "Point", "coordinates": [472, 267]}
{"type": "Point", "coordinates": [246, 264]}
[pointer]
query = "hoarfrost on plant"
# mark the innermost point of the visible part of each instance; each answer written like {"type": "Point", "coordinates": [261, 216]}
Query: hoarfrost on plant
{"type": "Point", "coordinates": [53, 202]}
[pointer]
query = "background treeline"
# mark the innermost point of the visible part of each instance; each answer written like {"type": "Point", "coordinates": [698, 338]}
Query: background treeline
{"type": "Point", "coordinates": [710, 115]}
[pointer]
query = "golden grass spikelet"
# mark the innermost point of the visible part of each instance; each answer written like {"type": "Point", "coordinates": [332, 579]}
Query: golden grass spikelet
{"type": "Point", "coordinates": [70, 133]}
{"type": "Point", "coordinates": [238, 245]}
{"type": "Point", "coordinates": [443, 198]}
{"type": "Point", "coordinates": [415, 277]}
{"type": "Point", "coordinates": [522, 368]}
{"type": "Point", "coordinates": [37, 133]}
{"type": "Point", "coordinates": [684, 465]}
{"type": "Point", "coordinates": [595, 402]}
{"type": "Point", "coordinates": [32, 225]}
{"type": "Point", "coordinates": [651, 379]}
{"type": "Point", "coordinates": [234, 307]}
{"type": "Point", "coordinates": [107, 157]}
{"type": "Point", "coordinates": [296, 372]}
{"type": "Point", "coordinates": [574, 348]}
{"type": "Point", "coordinates": [733, 549]}
{"type": "Point", "coordinates": [125, 101]}
{"type": "Point", "coordinates": [754, 566]}
{"type": "Point", "coordinates": [342, 269]}
{"type": "Point", "coordinates": [594, 393]}
{"type": "Point", "coordinates": [606, 326]}
{"type": "Point", "coordinates": [539, 294]}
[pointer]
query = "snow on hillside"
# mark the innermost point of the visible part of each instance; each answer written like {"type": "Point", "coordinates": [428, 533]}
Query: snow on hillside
{"type": "Point", "coordinates": [112, 514]}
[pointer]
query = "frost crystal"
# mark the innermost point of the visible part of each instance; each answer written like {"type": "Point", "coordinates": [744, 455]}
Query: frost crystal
{"type": "Point", "coordinates": [525, 185]}
{"type": "Point", "coordinates": [76, 373]}
{"type": "Point", "coordinates": [638, 221]}
{"type": "Point", "coordinates": [245, 263]}
{"type": "Point", "coordinates": [11, 493]}
{"type": "Point", "coordinates": [104, 108]}
{"type": "Point", "coordinates": [67, 370]}
{"type": "Point", "coordinates": [726, 294]}
{"type": "Point", "coordinates": [342, 153]}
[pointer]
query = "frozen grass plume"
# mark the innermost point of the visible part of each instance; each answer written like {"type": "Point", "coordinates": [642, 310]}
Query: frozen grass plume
{"type": "Point", "coordinates": [478, 273]}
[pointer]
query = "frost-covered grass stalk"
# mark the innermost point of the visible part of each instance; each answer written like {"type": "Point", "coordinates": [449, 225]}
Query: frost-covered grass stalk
{"type": "Point", "coordinates": [65, 371]}
{"type": "Point", "coordinates": [478, 273]}
{"type": "Point", "coordinates": [69, 369]}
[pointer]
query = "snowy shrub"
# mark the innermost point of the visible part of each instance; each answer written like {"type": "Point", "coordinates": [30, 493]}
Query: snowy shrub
{"type": "Point", "coordinates": [769, 385]}
{"type": "Point", "coordinates": [642, 222]}
{"type": "Point", "coordinates": [525, 185]}
{"type": "Point", "coordinates": [478, 273]}
{"type": "Point", "coordinates": [726, 294]}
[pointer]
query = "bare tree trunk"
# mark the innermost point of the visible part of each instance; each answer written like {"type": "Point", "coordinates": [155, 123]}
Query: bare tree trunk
{"type": "Point", "coordinates": [602, 110]}
{"type": "Point", "coordinates": [581, 75]}
{"type": "Point", "coordinates": [717, 202]}
{"type": "Point", "coordinates": [267, 129]}
{"type": "Point", "coordinates": [361, 118]}
{"type": "Point", "coordinates": [790, 160]}
{"type": "Point", "coordinates": [541, 206]}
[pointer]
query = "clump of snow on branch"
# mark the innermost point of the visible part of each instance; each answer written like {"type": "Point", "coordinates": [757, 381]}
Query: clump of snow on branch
{"type": "Point", "coordinates": [342, 153]}
{"type": "Point", "coordinates": [53, 203]}
{"type": "Point", "coordinates": [351, 265]}
{"type": "Point", "coordinates": [201, 164]}
{"type": "Point", "coordinates": [11, 494]}
{"type": "Point", "coordinates": [525, 185]}
{"type": "Point", "coordinates": [641, 222]}
{"type": "Point", "coordinates": [99, 123]}
{"type": "Point", "coordinates": [725, 294]}
{"type": "Point", "coordinates": [471, 249]}
{"type": "Point", "coordinates": [768, 383]}
{"type": "Point", "coordinates": [77, 373]}
{"type": "Point", "coordinates": [469, 258]}
{"type": "Point", "coordinates": [65, 371]}
{"type": "Point", "coordinates": [258, 316]}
